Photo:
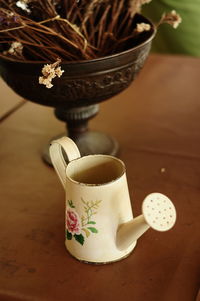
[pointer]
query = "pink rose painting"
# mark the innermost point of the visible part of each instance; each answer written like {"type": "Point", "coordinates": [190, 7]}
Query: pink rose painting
{"type": "Point", "coordinates": [76, 227]}
{"type": "Point", "coordinates": [73, 222]}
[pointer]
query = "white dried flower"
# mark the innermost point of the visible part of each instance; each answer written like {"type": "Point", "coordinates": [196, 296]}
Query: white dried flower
{"type": "Point", "coordinates": [45, 81]}
{"type": "Point", "coordinates": [49, 72]}
{"type": "Point", "coordinates": [15, 49]}
{"type": "Point", "coordinates": [59, 72]}
{"type": "Point", "coordinates": [140, 27]}
{"type": "Point", "coordinates": [171, 18]}
{"type": "Point", "coordinates": [135, 5]}
{"type": "Point", "coordinates": [23, 4]}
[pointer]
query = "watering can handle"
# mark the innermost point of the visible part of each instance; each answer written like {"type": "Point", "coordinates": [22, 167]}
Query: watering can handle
{"type": "Point", "coordinates": [56, 154]}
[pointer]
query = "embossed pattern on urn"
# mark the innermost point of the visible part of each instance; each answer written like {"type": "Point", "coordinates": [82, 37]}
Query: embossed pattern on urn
{"type": "Point", "coordinates": [99, 86]}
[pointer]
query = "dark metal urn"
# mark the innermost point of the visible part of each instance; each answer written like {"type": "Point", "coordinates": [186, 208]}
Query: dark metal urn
{"type": "Point", "coordinates": [84, 84]}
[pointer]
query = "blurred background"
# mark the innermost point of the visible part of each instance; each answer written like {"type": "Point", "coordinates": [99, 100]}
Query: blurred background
{"type": "Point", "coordinates": [183, 40]}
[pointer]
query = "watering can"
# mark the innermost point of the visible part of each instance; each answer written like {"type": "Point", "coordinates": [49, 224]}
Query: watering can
{"type": "Point", "coordinates": [99, 223]}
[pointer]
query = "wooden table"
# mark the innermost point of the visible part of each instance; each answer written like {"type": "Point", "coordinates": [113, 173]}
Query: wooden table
{"type": "Point", "coordinates": [157, 123]}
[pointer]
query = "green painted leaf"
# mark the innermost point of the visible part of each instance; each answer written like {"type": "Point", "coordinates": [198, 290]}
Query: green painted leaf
{"type": "Point", "coordinates": [92, 222]}
{"type": "Point", "coordinates": [86, 232]}
{"type": "Point", "coordinates": [68, 235]}
{"type": "Point", "coordinates": [79, 238]}
{"type": "Point", "coordinates": [70, 202]}
{"type": "Point", "coordinates": [93, 230]}
{"type": "Point", "coordinates": [83, 200]}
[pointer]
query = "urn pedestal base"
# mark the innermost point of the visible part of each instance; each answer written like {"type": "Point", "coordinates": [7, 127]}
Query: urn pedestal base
{"type": "Point", "coordinates": [88, 142]}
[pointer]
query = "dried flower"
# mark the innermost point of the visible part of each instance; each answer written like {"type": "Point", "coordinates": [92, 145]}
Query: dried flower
{"type": "Point", "coordinates": [135, 5]}
{"type": "Point", "coordinates": [15, 49]}
{"type": "Point", "coordinates": [171, 18]}
{"type": "Point", "coordinates": [23, 4]}
{"type": "Point", "coordinates": [140, 27]}
{"type": "Point", "coordinates": [49, 72]}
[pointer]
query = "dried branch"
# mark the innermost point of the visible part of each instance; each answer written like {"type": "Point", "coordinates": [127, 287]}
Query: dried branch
{"type": "Point", "coordinates": [67, 29]}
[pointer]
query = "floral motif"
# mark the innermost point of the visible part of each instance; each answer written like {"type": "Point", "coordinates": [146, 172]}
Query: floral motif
{"type": "Point", "coordinates": [140, 27]}
{"type": "Point", "coordinates": [171, 18]}
{"type": "Point", "coordinates": [79, 228]}
{"type": "Point", "coordinates": [73, 221]}
{"type": "Point", "coordinates": [49, 72]}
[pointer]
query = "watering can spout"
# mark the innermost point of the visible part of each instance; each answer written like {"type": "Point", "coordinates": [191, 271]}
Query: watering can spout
{"type": "Point", "coordinates": [158, 213]}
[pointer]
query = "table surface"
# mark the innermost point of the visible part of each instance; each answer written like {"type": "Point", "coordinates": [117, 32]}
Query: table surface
{"type": "Point", "coordinates": [157, 123]}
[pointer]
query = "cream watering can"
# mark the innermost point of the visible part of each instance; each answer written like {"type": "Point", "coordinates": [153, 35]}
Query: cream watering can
{"type": "Point", "coordinates": [99, 222]}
